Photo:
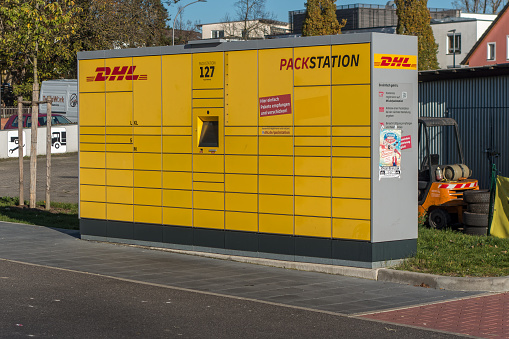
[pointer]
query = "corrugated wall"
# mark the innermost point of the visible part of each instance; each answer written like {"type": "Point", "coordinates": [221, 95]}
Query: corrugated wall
{"type": "Point", "coordinates": [481, 108]}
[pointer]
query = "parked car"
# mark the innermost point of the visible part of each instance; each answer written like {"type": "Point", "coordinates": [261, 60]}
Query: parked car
{"type": "Point", "coordinates": [56, 119]}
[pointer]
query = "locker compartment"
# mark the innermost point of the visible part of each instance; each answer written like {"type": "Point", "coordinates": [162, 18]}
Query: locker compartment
{"type": "Point", "coordinates": [241, 145]}
{"type": "Point", "coordinates": [276, 184]}
{"type": "Point", "coordinates": [351, 229]}
{"type": "Point", "coordinates": [177, 216]}
{"type": "Point", "coordinates": [178, 180]}
{"type": "Point", "coordinates": [92, 210]}
{"type": "Point", "coordinates": [94, 104]}
{"type": "Point", "coordinates": [313, 166]}
{"type": "Point", "coordinates": [312, 151]}
{"type": "Point", "coordinates": [147, 179]}
{"type": "Point", "coordinates": [178, 130]}
{"type": "Point", "coordinates": [118, 65]}
{"type": "Point", "coordinates": [119, 109]}
{"type": "Point", "coordinates": [119, 160]}
{"type": "Point", "coordinates": [90, 176]}
{"type": "Point", "coordinates": [94, 139]}
{"type": "Point", "coordinates": [276, 145]}
{"type": "Point", "coordinates": [241, 221]}
{"type": "Point", "coordinates": [208, 186]}
{"type": "Point", "coordinates": [120, 212]}
{"type": "Point", "coordinates": [312, 106]}
{"type": "Point", "coordinates": [92, 147]}
{"type": "Point", "coordinates": [351, 105]}
{"type": "Point", "coordinates": [313, 141]}
{"type": "Point", "coordinates": [317, 76]}
{"type": "Point", "coordinates": [313, 131]}
{"type": "Point", "coordinates": [242, 164]}
{"type": "Point", "coordinates": [147, 93]}
{"type": "Point", "coordinates": [208, 163]}
{"type": "Point", "coordinates": [276, 165]}
{"type": "Point", "coordinates": [351, 131]}
{"type": "Point", "coordinates": [313, 206]}
{"type": "Point", "coordinates": [208, 219]}
{"type": "Point", "coordinates": [351, 208]}
{"type": "Point", "coordinates": [208, 200]}
{"type": "Point", "coordinates": [123, 148]}
{"type": "Point", "coordinates": [351, 167]}
{"type": "Point", "coordinates": [148, 143]}
{"type": "Point", "coordinates": [241, 100]}
{"type": "Point", "coordinates": [147, 196]}
{"type": "Point", "coordinates": [88, 70]}
{"type": "Point", "coordinates": [209, 177]}
{"type": "Point", "coordinates": [119, 178]}
{"type": "Point", "coordinates": [351, 141]}
{"type": "Point", "coordinates": [208, 103]}
{"type": "Point", "coordinates": [92, 193]}
{"type": "Point", "coordinates": [275, 223]}
{"type": "Point", "coordinates": [116, 130]}
{"type": "Point", "coordinates": [208, 93]}
{"type": "Point", "coordinates": [176, 90]}
{"type": "Point", "coordinates": [148, 214]}
{"type": "Point", "coordinates": [178, 198]}
{"type": "Point", "coordinates": [241, 183]}
{"type": "Point", "coordinates": [241, 202]}
{"type": "Point", "coordinates": [361, 74]}
{"type": "Point", "coordinates": [361, 152]}
{"type": "Point", "coordinates": [313, 227]}
{"type": "Point", "coordinates": [351, 188]}
{"type": "Point", "coordinates": [92, 159]}
{"type": "Point", "coordinates": [177, 144]}
{"type": "Point", "coordinates": [119, 195]}
{"type": "Point", "coordinates": [313, 186]}
{"type": "Point", "coordinates": [277, 204]}
{"type": "Point", "coordinates": [177, 162]}
{"type": "Point", "coordinates": [147, 161]}
{"type": "Point", "coordinates": [241, 131]}
{"type": "Point", "coordinates": [95, 130]}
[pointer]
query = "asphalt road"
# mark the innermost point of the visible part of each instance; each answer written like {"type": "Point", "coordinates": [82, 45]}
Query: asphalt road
{"type": "Point", "coordinates": [66, 304]}
{"type": "Point", "coordinates": [64, 178]}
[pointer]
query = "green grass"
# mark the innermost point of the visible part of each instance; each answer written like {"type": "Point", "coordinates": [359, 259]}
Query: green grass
{"type": "Point", "coordinates": [452, 253]}
{"type": "Point", "coordinates": [61, 215]}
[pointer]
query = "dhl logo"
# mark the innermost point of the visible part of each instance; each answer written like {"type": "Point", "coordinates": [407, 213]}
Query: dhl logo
{"type": "Point", "coordinates": [118, 73]}
{"type": "Point", "coordinates": [395, 61]}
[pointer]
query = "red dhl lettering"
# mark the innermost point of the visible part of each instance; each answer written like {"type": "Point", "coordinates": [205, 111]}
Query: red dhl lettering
{"type": "Point", "coordinates": [394, 61]}
{"type": "Point", "coordinates": [118, 73]}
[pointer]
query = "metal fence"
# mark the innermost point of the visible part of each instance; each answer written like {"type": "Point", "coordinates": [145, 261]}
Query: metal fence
{"type": "Point", "coordinates": [6, 112]}
{"type": "Point", "coordinates": [481, 108]}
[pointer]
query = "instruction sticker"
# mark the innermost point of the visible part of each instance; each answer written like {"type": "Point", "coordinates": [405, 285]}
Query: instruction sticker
{"type": "Point", "coordinates": [276, 105]}
{"type": "Point", "coordinates": [390, 153]}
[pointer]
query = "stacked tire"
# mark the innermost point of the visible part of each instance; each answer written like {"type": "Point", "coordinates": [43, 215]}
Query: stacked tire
{"type": "Point", "coordinates": [475, 217]}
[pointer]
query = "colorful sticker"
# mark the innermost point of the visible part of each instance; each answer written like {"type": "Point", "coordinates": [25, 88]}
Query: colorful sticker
{"type": "Point", "coordinates": [390, 153]}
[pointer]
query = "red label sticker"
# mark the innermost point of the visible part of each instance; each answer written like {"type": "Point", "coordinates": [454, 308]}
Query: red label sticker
{"type": "Point", "coordinates": [406, 142]}
{"type": "Point", "coordinates": [381, 109]}
{"type": "Point", "coordinates": [276, 105]}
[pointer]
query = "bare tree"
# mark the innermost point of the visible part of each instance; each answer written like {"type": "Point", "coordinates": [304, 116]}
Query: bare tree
{"type": "Point", "coordinates": [251, 20]}
{"type": "Point", "coordinates": [480, 6]}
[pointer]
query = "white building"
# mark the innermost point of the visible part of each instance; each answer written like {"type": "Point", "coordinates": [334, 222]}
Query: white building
{"type": "Point", "coordinates": [255, 29]}
{"type": "Point", "coordinates": [460, 33]}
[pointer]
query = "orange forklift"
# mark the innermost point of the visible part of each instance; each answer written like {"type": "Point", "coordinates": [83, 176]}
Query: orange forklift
{"type": "Point", "coordinates": [443, 176]}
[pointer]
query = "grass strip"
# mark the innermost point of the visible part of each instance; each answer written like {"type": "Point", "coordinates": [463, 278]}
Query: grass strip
{"type": "Point", "coordinates": [451, 253]}
{"type": "Point", "coordinates": [61, 215]}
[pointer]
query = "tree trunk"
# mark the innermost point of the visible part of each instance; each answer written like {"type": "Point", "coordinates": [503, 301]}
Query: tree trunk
{"type": "Point", "coordinates": [33, 146]}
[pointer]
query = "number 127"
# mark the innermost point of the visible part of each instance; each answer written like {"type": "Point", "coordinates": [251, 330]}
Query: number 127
{"type": "Point", "coordinates": [207, 72]}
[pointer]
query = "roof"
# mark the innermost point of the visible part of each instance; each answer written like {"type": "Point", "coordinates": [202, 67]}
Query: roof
{"type": "Point", "coordinates": [433, 121]}
{"type": "Point", "coordinates": [464, 72]}
{"type": "Point", "coordinates": [486, 32]}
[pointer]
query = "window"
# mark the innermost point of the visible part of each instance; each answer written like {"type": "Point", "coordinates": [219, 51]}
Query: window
{"type": "Point", "coordinates": [217, 34]}
{"type": "Point", "coordinates": [491, 51]}
{"type": "Point", "coordinates": [453, 43]}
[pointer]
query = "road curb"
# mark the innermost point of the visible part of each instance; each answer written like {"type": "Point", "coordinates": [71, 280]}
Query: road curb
{"type": "Point", "coordinates": [489, 284]}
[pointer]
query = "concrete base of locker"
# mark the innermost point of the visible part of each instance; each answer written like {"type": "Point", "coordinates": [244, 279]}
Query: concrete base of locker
{"type": "Point", "coordinates": [271, 246]}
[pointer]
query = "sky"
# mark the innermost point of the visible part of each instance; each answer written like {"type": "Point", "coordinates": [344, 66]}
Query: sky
{"type": "Point", "coordinates": [214, 10]}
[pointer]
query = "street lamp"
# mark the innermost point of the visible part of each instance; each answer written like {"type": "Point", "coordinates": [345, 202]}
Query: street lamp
{"type": "Point", "coordinates": [453, 31]}
{"type": "Point", "coordinates": [180, 10]}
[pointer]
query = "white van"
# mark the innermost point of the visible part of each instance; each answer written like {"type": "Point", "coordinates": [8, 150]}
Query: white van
{"type": "Point", "coordinates": [64, 93]}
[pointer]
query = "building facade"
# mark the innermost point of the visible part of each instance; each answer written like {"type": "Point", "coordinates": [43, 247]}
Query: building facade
{"type": "Point", "coordinates": [493, 46]}
{"type": "Point", "coordinates": [244, 30]}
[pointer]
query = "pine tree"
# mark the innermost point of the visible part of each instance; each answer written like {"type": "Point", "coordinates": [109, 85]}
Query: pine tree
{"type": "Point", "coordinates": [414, 19]}
{"type": "Point", "coordinates": [330, 24]}
{"type": "Point", "coordinates": [313, 22]}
